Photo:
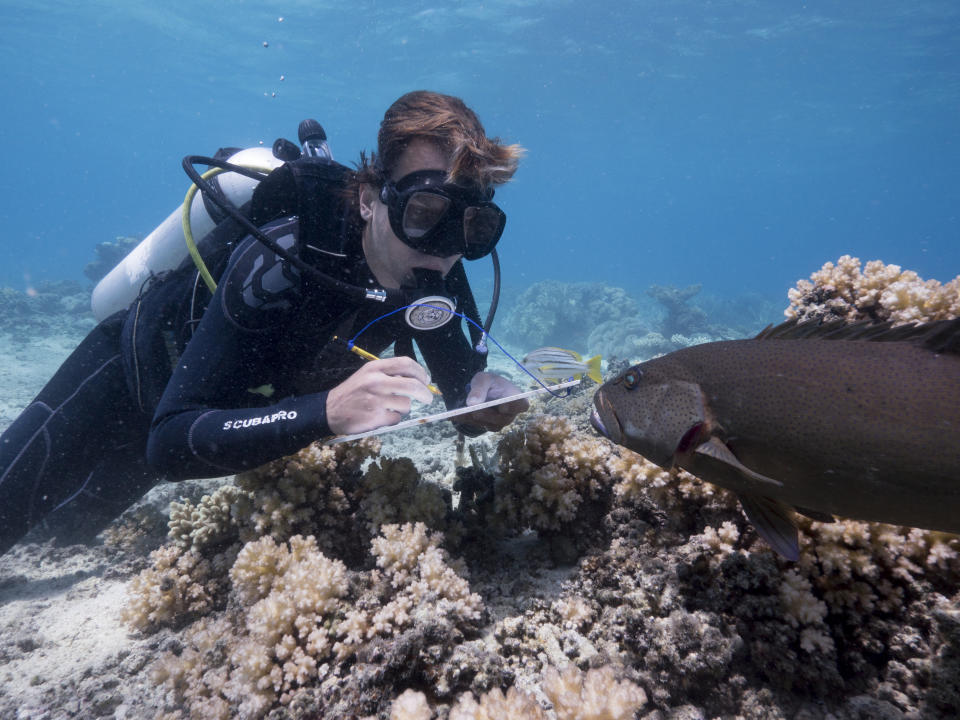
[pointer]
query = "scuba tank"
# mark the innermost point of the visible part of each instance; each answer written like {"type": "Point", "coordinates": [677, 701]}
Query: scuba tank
{"type": "Point", "coordinates": [165, 247]}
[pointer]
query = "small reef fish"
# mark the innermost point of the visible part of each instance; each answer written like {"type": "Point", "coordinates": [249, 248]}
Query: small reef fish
{"type": "Point", "coordinates": [858, 420]}
{"type": "Point", "coordinates": [553, 365]}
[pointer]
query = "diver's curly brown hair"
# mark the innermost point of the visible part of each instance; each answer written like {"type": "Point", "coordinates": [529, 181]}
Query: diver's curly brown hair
{"type": "Point", "coordinates": [446, 120]}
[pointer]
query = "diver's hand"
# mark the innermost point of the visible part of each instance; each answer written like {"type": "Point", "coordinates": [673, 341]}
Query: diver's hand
{"type": "Point", "coordinates": [487, 386]}
{"type": "Point", "coordinates": [377, 394]}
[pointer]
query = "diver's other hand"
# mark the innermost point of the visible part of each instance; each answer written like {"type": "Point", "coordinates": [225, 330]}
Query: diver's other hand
{"type": "Point", "coordinates": [487, 386]}
{"type": "Point", "coordinates": [377, 394]}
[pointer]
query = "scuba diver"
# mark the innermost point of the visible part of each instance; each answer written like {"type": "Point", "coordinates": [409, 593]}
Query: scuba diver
{"type": "Point", "coordinates": [199, 379]}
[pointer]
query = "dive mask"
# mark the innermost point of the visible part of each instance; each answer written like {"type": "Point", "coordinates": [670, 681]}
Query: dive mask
{"type": "Point", "coordinates": [442, 219]}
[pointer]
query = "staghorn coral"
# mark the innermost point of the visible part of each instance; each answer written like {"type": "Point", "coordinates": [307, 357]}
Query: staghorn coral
{"type": "Point", "coordinates": [876, 292]}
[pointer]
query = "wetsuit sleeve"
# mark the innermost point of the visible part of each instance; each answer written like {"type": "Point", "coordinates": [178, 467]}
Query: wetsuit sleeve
{"type": "Point", "coordinates": [211, 419]}
{"type": "Point", "coordinates": [452, 362]}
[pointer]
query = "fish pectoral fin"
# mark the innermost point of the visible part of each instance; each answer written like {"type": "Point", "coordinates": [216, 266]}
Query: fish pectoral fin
{"type": "Point", "coordinates": [715, 449]}
{"type": "Point", "coordinates": [772, 520]}
{"type": "Point", "coordinates": [815, 514]}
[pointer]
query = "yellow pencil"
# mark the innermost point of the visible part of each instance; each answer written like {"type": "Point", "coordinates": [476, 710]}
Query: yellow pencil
{"type": "Point", "coordinates": [370, 356]}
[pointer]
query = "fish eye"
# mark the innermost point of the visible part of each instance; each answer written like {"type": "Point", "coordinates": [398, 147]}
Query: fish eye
{"type": "Point", "coordinates": [631, 378]}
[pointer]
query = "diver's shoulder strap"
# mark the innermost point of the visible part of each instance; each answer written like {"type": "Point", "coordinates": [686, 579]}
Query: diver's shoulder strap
{"type": "Point", "coordinates": [312, 189]}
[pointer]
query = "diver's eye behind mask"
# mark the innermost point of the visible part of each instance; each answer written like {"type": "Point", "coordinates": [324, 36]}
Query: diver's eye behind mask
{"type": "Point", "coordinates": [442, 219]}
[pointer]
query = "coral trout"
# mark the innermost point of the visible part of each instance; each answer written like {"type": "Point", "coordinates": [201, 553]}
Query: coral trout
{"type": "Point", "coordinates": [861, 421]}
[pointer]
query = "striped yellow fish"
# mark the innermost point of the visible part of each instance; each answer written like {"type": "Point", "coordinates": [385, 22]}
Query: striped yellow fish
{"type": "Point", "coordinates": [553, 365]}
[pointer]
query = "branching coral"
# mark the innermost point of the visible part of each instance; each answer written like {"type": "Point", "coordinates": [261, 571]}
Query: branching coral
{"type": "Point", "coordinates": [290, 598]}
{"type": "Point", "coordinates": [178, 587]}
{"type": "Point", "coordinates": [573, 695]}
{"type": "Point", "coordinates": [877, 292]}
{"type": "Point", "coordinates": [211, 521]}
{"type": "Point", "coordinates": [393, 492]}
{"type": "Point", "coordinates": [414, 580]}
{"type": "Point", "coordinates": [287, 597]}
{"type": "Point", "coordinates": [302, 493]}
{"type": "Point", "coordinates": [305, 493]}
{"type": "Point", "coordinates": [292, 623]}
{"type": "Point", "coordinates": [548, 470]}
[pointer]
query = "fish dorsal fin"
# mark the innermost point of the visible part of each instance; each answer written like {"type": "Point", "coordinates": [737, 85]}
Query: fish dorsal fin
{"type": "Point", "coordinates": [773, 522]}
{"type": "Point", "coordinates": [942, 336]}
{"type": "Point", "coordinates": [716, 450]}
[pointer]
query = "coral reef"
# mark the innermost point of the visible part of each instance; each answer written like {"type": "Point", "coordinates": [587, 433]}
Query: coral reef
{"type": "Point", "coordinates": [550, 477]}
{"type": "Point", "coordinates": [391, 492]}
{"type": "Point", "coordinates": [45, 307]}
{"type": "Point", "coordinates": [296, 619]}
{"type": "Point", "coordinates": [600, 586]}
{"type": "Point", "coordinates": [628, 339]}
{"type": "Point", "coordinates": [303, 493]}
{"type": "Point", "coordinates": [681, 318]}
{"type": "Point", "coordinates": [177, 588]}
{"type": "Point", "coordinates": [556, 313]}
{"type": "Point", "coordinates": [572, 694]}
{"type": "Point", "coordinates": [876, 292]}
{"type": "Point", "coordinates": [109, 254]}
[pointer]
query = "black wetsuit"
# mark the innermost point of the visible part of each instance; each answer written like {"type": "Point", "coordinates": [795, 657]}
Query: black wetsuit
{"type": "Point", "coordinates": [152, 394]}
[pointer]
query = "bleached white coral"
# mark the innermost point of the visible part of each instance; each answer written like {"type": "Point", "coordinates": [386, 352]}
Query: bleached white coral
{"type": "Point", "coordinates": [721, 540]}
{"type": "Point", "coordinates": [802, 608]}
{"type": "Point", "coordinates": [410, 705]}
{"type": "Point", "coordinates": [867, 566]}
{"type": "Point", "coordinates": [574, 611]}
{"type": "Point", "coordinates": [635, 477]}
{"type": "Point", "coordinates": [594, 695]}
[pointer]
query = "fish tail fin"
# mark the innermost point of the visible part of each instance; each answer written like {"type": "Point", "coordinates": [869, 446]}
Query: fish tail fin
{"type": "Point", "coordinates": [593, 369]}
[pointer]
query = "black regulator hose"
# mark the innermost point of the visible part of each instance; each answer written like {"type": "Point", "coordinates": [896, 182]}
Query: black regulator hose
{"type": "Point", "coordinates": [495, 300]}
{"type": "Point", "coordinates": [352, 291]}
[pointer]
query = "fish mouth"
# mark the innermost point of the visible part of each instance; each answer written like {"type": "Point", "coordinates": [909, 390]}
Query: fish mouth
{"type": "Point", "coordinates": [604, 419]}
{"type": "Point", "coordinates": [597, 423]}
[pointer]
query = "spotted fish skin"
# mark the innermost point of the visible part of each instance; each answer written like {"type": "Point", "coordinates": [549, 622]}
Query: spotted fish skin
{"type": "Point", "coordinates": [857, 421]}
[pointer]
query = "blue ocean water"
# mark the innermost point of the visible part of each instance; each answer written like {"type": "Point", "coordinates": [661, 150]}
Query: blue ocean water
{"type": "Point", "coordinates": [735, 144]}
